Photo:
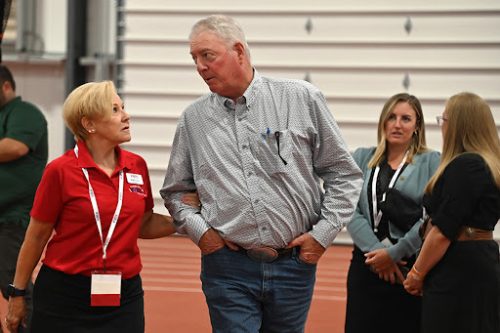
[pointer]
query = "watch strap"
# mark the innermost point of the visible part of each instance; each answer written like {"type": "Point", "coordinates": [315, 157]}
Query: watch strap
{"type": "Point", "coordinates": [12, 291]}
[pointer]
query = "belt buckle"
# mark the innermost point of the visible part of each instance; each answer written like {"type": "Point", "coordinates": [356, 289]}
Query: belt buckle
{"type": "Point", "coordinates": [470, 232]}
{"type": "Point", "coordinates": [263, 254]}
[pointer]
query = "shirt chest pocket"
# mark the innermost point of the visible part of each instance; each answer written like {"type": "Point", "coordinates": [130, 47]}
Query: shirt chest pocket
{"type": "Point", "coordinates": [134, 200]}
{"type": "Point", "coordinates": [275, 151]}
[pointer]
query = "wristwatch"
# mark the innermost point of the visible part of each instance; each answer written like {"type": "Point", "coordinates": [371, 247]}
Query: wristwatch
{"type": "Point", "coordinates": [12, 291]}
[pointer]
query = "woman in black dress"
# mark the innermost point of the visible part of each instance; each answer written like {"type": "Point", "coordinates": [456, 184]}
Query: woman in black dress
{"type": "Point", "coordinates": [458, 269]}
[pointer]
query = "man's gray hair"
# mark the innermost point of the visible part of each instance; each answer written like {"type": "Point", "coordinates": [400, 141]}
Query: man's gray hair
{"type": "Point", "coordinates": [223, 26]}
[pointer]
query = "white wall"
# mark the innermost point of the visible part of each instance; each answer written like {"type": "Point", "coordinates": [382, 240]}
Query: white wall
{"type": "Point", "coordinates": [40, 76]}
{"type": "Point", "coordinates": [358, 53]}
{"type": "Point", "coordinates": [53, 25]}
{"type": "Point", "coordinates": [42, 83]}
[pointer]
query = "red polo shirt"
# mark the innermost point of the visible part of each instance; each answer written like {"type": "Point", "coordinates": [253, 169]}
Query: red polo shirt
{"type": "Point", "coordinates": [62, 198]}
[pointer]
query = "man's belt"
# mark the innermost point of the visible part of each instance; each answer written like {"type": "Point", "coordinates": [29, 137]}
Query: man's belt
{"type": "Point", "coordinates": [267, 254]}
{"type": "Point", "coordinates": [471, 234]}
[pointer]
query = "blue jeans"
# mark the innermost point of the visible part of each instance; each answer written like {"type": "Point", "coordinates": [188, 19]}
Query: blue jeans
{"type": "Point", "coordinates": [245, 296]}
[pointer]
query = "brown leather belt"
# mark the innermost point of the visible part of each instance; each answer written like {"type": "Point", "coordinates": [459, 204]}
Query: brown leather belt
{"type": "Point", "coordinates": [267, 254]}
{"type": "Point", "coordinates": [471, 234]}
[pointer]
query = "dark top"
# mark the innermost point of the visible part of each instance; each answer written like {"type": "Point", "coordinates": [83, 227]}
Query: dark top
{"type": "Point", "coordinates": [464, 195]}
{"type": "Point", "coordinates": [384, 178]}
{"type": "Point", "coordinates": [19, 178]}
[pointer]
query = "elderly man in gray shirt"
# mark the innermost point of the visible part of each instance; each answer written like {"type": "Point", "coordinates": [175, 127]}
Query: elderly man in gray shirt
{"type": "Point", "coordinates": [275, 180]}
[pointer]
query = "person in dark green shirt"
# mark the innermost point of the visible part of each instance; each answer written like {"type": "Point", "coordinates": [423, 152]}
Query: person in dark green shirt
{"type": "Point", "coordinates": [23, 156]}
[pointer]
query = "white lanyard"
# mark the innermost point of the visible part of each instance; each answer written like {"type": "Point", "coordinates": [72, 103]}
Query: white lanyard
{"type": "Point", "coordinates": [377, 215]}
{"type": "Point", "coordinates": [97, 216]}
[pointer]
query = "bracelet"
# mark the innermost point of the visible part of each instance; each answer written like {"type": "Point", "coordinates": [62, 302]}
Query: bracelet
{"type": "Point", "coordinates": [417, 274]}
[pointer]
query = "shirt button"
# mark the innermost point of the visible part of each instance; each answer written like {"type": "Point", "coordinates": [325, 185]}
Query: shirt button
{"type": "Point", "coordinates": [244, 147]}
{"type": "Point", "coordinates": [263, 229]}
{"type": "Point", "coordinates": [256, 201]}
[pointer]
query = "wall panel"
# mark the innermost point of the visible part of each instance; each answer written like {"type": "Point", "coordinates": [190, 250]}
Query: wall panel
{"type": "Point", "coordinates": [333, 27]}
{"type": "Point", "coordinates": [364, 56]}
{"type": "Point", "coordinates": [358, 54]}
{"type": "Point", "coordinates": [317, 6]}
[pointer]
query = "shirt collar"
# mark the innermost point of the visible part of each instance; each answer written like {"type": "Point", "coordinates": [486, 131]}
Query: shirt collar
{"type": "Point", "coordinates": [248, 96]}
{"type": "Point", "coordinates": [85, 160]}
{"type": "Point", "coordinates": [10, 104]}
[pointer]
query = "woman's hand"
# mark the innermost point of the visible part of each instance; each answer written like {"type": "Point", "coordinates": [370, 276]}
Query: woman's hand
{"type": "Point", "coordinates": [433, 249]}
{"type": "Point", "coordinates": [191, 199]}
{"type": "Point", "coordinates": [379, 260]}
{"type": "Point", "coordinates": [381, 263]}
{"type": "Point", "coordinates": [414, 282]}
{"type": "Point", "coordinates": [35, 240]}
{"type": "Point", "coordinates": [392, 274]}
{"type": "Point", "coordinates": [16, 313]}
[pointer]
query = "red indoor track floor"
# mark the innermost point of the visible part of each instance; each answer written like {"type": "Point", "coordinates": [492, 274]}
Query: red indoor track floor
{"type": "Point", "coordinates": [174, 302]}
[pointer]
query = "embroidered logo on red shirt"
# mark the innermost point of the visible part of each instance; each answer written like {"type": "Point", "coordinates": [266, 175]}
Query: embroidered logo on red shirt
{"type": "Point", "coordinates": [137, 189]}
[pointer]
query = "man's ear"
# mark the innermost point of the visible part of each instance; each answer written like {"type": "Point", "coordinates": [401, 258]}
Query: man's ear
{"type": "Point", "coordinates": [7, 87]}
{"type": "Point", "coordinates": [240, 51]}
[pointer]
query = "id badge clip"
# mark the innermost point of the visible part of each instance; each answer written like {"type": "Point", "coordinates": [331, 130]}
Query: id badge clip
{"type": "Point", "coordinates": [105, 288]}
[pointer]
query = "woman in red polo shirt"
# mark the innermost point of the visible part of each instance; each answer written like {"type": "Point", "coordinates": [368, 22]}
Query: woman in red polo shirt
{"type": "Point", "coordinates": [96, 201]}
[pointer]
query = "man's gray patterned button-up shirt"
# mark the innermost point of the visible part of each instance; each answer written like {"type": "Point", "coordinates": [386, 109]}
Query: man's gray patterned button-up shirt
{"type": "Point", "coordinates": [267, 168]}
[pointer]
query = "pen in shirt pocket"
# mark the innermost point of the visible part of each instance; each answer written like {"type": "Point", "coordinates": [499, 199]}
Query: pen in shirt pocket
{"type": "Point", "coordinates": [267, 134]}
{"type": "Point", "coordinates": [277, 135]}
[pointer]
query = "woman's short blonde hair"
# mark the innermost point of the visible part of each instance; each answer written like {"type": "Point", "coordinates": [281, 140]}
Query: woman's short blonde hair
{"type": "Point", "coordinates": [93, 100]}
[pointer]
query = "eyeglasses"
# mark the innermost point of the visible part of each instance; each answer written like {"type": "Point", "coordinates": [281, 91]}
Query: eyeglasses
{"type": "Point", "coordinates": [440, 120]}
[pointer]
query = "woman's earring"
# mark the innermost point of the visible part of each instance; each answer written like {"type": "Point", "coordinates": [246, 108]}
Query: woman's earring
{"type": "Point", "coordinates": [92, 130]}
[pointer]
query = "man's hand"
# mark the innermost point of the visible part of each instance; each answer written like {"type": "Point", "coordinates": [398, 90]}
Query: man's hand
{"type": "Point", "coordinates": [310, 249]}
{"type": "Point", "coordinates": [211, 241]}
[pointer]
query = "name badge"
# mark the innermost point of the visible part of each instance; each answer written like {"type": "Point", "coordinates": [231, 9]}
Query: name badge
{"type": "Point", "coordinates": [105, 288]}
{"type": "Point", "coordinates": [133, 178]}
